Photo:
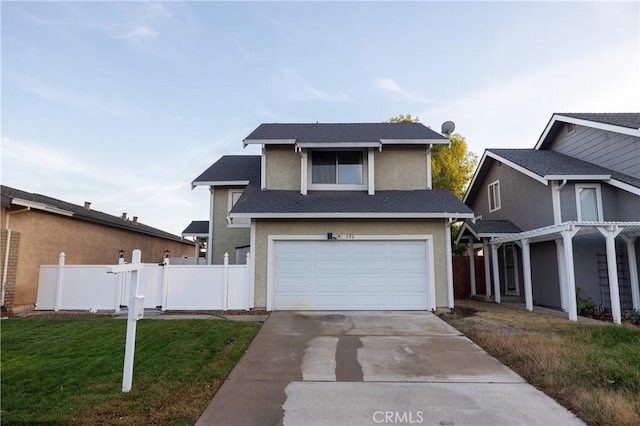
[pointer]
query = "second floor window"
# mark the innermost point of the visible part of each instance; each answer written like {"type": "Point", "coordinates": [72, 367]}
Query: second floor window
{"type": "Point", "coordinates": [337, 167]}
{"type": "Point", "coordinates": [589, 202]}
{"type": "Point", "coordinates": [494, 196]}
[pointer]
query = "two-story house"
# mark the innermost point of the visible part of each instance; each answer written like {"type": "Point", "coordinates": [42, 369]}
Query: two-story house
{"type": "Point", "coordinates": [336, 216]}
{"type": "Point", "coordinates": [563, 215]}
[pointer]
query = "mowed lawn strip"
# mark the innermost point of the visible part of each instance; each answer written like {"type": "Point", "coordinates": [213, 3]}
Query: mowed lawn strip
{"type": "Point", "coordinates": [58, 371]}
{"type": "Point", "coordinates": [591, 369]}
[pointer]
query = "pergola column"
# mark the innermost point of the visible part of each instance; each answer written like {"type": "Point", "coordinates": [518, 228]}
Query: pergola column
{"type": "Point", "coordinates": [487, 267]}
{"type": "Point", "coordinates": [472, 267]}
{"type": "Point", "coordinates": [496, 271]}
{"type": "Point", "coordinates": [526, 266]}
{"type": "Point", "coordinates": [610, 233]}
{"type": "Point", "coordinates": [562, 275]}
{"type": "Point", "coordinates": [570, 279]}
{"type": "Point", "coordinates": [633, 271]}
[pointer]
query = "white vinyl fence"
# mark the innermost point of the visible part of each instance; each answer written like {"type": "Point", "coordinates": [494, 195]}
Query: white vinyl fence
{"type": "Point", "coordinates": [165, 286]}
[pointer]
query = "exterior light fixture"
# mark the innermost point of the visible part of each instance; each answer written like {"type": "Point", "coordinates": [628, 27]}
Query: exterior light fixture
{"type": "Point", "coordinates": [166, 253]}
{"type": "Point", "coordinates": [121, 253]}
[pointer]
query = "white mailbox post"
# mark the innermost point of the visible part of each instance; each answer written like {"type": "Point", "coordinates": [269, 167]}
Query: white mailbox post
{"type": "Point", "coordinates": [136, 312]}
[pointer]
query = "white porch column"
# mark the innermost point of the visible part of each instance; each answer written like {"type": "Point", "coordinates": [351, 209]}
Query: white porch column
{"type": "Point", "coordinates": [487, 267]}
{"type": "Point", "coordinates": [562, 275]}
{"type": "Point", "coordinates": [567, 243]}
{"type": "Point", "coordinates": [472, 267]}
{"type": "Point", "coordinates": [610, 234]}
{"type": "Point", "coordinates": [210, 236]}
{"type": "Point", "coordinates": [371, 176]}
{"type": "Point", "coordinates": [447, 237]}
{"type": "Point", "coordinates": [303, 172]}
{"type": "Point", "coordinates": [526, 270]}
{"type": "Point", "coordinates": [633, 271]}
{"type": "Point", "coordinates": [496, 271]}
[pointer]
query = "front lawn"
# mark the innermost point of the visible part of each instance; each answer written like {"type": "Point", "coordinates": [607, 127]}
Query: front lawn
{"type": "Point", "coordinates": [592, 369]}
{"type": "Point", "coordinates": [58, 371]}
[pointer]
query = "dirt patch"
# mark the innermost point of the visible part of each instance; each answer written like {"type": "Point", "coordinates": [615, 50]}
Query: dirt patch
{"type": "Point", "coordinates": [459, 312]}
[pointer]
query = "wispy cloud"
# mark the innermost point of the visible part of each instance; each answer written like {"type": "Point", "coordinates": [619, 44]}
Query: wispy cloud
{"type": "Point", "coordinates": [513, 113]}
{"type": "Point", "coordinates": [138, 32]}
{"type": "Point", "coordinates": [299, 89]}
{"type": "Point", "coordinates": [82, 101]}
{"type": "Point", "coordinates": [390, 85]}
{"type": "Point", "coordinates": [158, 195]}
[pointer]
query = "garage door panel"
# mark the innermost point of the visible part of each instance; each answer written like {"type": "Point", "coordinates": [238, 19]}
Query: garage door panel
{"type": "Point", "coordinates": [365, 274]}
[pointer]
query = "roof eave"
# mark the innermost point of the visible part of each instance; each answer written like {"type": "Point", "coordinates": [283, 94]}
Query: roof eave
{"type": "Point", "coordinates": [354, 215]}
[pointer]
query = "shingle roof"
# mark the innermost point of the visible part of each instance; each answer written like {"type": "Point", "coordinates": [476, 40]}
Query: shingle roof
{"type": "Point", "coordinates": [197, 227]}
{"type": "Point", "coordinates": [255, 201]}
{"type": "Point", "coordinates": [623, 119]}
{"type": "Point", "coordinates": [231, 168]}
{"type": "Point", "coordinates": [90, 215]}
{"type": "Point", "coordinates": [493, 227]}
{"type": "Point", "coordinates": [343, 132]}
{"type": "Point", "coordinates": [547, 163]}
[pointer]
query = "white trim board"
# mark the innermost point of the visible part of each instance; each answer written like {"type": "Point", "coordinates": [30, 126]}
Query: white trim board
{"type": "Point", "coordinates": [356, 215]}
{"type": "Point", "coordinates": [582, 122]}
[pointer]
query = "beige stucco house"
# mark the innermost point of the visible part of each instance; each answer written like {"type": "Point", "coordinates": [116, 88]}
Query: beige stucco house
{"type": "Point", "coordinates": [336, 217]}
{"type": "Point", "coordinates": [36, 228]}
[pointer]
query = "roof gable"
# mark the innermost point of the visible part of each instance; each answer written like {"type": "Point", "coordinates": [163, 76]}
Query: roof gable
{"type": "Point", "coordinates": [627, 123]}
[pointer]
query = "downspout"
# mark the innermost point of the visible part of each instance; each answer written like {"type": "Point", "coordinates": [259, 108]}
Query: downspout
{"type": "Point", "coordinates": [5, 264]}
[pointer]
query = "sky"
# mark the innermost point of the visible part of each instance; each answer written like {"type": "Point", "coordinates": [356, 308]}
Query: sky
{"type": "Point", "coordinates": [124, 104]}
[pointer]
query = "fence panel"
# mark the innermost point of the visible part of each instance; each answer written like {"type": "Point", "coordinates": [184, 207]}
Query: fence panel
{"type": "Point", "coordinates": [173, 287]}
{"type": "Point", "coordinates": [195, 287]}
{"type": "Point", "coordinates": [47, 287]}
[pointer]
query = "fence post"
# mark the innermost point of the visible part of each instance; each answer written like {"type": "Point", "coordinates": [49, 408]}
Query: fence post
{"type": "Point", "coordinates": [247, 282]}
{"type": "Point", "coordinates": [225, 283]}
{"type": "Point", "coordinates": [165, 283]}
{"type": "Point", "coordinates": [56, 304]}
{"type": "Point", "coordinates": [119, 287]}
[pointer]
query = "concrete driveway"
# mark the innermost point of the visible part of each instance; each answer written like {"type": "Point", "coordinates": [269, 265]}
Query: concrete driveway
{"type": "Point", "coordinates": [368, 368]}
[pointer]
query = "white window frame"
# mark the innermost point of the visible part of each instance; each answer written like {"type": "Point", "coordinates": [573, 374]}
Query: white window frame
{"type": "Point", "coordinates": [238, 222]}
{"type": "Point", "coordinates": [494, 187]}
{"type": "Point", "coordinates": [338, 186]}
{"type": "Point", "coordinates": [599, 209]}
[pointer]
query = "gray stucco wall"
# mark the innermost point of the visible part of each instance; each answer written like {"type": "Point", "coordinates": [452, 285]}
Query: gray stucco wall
{"type": "Point", "coordinates": [395, 168]}
{"type": "Point", "coordinates": [544, 274]}
{"type": "Point", "coordinates": [585, 260]}
{"type": "Point", "coordinates": [225, 239]}
{"type": "Point", "coordinates": [612, 150]}
{"type": "Point", "coordinates": [525, 201]}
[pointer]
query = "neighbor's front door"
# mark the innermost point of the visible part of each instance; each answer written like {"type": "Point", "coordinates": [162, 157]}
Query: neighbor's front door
{"type": "Point", "coordinates": [510, 261]}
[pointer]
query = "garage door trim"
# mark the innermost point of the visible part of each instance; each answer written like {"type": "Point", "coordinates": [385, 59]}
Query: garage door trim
{"type": "Point", "coordinates": [427, 238]}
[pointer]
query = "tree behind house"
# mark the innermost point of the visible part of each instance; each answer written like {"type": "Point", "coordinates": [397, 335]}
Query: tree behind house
{"type": "Point", "coordinates": [451, 167]}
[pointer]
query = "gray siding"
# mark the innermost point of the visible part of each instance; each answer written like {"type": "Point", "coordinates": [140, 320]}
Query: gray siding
{"type": "Point", "coordinates": [617, 204]}
{"type": "Point", "coordinates": [545, 278]}
{"type": "Point", "coordinates": [526, 202]}
{"type": "Point", "coordinates": [607, 149]}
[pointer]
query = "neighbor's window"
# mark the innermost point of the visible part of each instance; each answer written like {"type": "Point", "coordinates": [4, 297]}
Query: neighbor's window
{"type": "Point", "coordinates": [337, 167]}
{"type": "Point", "coordinates": [494, 196]}
{"type": "Point", "coordinates": [571, 127]}
{"type": "Point", "coordinates": [589, 203]}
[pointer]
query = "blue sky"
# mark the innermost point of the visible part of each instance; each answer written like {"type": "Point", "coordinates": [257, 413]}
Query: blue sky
{"type": "Point", "coordinates": [124, 103]}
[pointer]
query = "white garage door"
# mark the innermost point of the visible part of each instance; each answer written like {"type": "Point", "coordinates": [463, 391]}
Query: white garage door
{"type": "Point", "coordinates": [351, 275]}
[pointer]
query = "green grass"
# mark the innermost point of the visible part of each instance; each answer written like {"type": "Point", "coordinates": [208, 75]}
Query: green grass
{"type": "Point", "coordinates": [70, 371]}
{"type": "Point", "coordinates": [592, 369]}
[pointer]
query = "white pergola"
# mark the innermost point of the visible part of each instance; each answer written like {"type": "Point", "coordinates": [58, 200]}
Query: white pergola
{"type": "Point", "coordinates": [563, 234]}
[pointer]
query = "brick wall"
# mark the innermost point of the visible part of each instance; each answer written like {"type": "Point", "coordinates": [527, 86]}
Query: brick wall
{"type": "Point", "coordinates": [12, 267]}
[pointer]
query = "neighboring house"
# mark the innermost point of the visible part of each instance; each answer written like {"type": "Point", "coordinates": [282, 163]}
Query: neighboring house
{"type": "Point", "coordinates": [199, 231]}
{"type": "Point", "coordinates": [36, 228]}
{"type": "Point", "coordinates": [336, 216]}
{"type": "Point", "coordinates": [564, 215]}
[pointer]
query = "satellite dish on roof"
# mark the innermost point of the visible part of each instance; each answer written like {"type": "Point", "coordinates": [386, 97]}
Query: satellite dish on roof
{"type": "Point", "coordinates": [448, 127]}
